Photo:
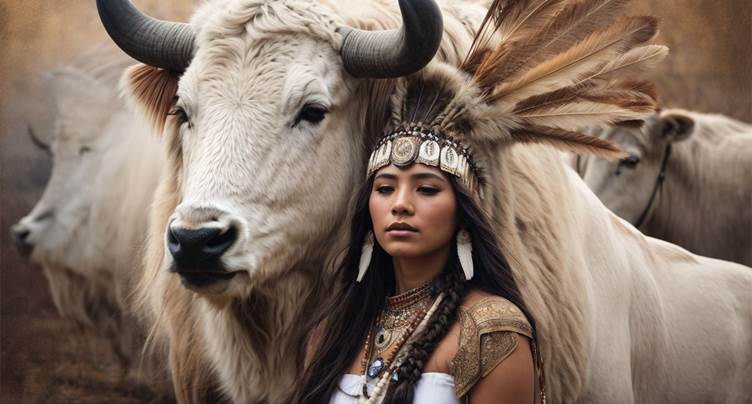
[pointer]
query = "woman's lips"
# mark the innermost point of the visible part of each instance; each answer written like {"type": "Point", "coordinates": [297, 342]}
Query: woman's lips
{"type": "Point", "coordinates": [401, 233]}
{"type": "Point", "coordinates": [401, 229]}
{"type": "Point", "coordinates": [401, 226]}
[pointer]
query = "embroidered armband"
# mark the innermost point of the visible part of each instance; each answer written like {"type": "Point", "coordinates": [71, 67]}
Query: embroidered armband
{"type": "Point", "coordinates": [487, 336]}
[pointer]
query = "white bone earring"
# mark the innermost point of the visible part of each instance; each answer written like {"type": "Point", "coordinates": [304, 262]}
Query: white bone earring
{"type": "Point", "coordinates": [465, 253]}
{"type": "Point", "coordinates": [365, 256]}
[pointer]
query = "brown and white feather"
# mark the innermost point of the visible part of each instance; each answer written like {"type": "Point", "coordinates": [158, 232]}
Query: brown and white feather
{"type": "Point", "coordinates": [571, 141]}
{"type": "Point", "coordinates": [581, 114]}
{"type": "Point", "coordinates": [580, 60]}
{"type": "Point", "coordinates": [640, 60]}
{"type": "Point", "coordinates": [573, 23]}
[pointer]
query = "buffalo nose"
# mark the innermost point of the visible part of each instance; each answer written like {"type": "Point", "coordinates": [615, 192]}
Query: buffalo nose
{"type": "Point", "coordinates": [21, 238]}
{"type": "Point", "coordinates": [20, 235]}
{"type": "Point", "coordinates": [194, 248]}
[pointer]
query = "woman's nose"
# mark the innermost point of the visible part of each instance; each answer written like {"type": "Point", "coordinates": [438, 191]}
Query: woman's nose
{"type": "Point", "coordinates": [403, 204]}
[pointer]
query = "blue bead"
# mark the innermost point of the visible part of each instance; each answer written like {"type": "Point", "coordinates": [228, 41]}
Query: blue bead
{"type": "Point", "coordinates": [375, 368]}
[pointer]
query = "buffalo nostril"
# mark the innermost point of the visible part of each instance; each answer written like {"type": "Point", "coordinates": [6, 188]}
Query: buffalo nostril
{"type": "Point", "coordinates": [222, 242]}
{"type": "Point", "coordinates": [194, 248]}
{"type": "Point", "coordinates": [21, 239]}
{"type": "Point", "coordinates": [172, 242]}
{"type": "Point", "coordinates": [21, 235]}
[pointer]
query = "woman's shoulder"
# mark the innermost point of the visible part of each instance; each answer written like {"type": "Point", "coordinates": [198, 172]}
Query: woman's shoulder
{"type": "Point", "coordinates": [482, 312]}
{"type": "Point", "coordinates": [490, 330]}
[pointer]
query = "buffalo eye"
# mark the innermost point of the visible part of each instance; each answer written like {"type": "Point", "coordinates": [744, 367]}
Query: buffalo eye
{"type": "Point", "coordinates": [83, 150]}
{"type": "Point", "coordinates": [629, 162]}
{"type": "Point", "coordinates": [180, 114]}
{"type": "Point", "coordinates": [311, 113]}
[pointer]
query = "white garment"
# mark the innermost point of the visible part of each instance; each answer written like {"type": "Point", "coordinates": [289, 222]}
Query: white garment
{"type": "Point", "coordinates": [432, 388]}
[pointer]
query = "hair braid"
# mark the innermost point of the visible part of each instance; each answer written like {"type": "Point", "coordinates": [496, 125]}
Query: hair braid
{"type": "Point", "coordinates": [453, 284]}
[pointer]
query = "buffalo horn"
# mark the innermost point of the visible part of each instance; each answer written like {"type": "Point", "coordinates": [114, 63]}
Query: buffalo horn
{"type": "Point", "coordinates": [397, 52]}
{"type": "Point", "coordinates": [164, 44]}
{"type": "Point", "coordinates": [38, 142]}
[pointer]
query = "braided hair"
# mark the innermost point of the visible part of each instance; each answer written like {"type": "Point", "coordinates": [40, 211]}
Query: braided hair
{"type": "Point", "coordinates": [452, 283]}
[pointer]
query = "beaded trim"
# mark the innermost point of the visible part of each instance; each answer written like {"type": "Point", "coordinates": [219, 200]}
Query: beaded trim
{"type": "Point", "coordinates": [411, 143]}
{"type": "Point", "coordinates": [408, 298]}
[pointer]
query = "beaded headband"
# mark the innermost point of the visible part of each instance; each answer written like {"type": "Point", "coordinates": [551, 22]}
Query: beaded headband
{"type": "Point", "coordinates": [411, 143]}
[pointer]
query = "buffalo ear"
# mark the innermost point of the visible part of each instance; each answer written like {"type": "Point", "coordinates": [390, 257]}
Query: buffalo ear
{"type": "Point", "coordinates": [153, 92]}
{"type": "Point", "coordinates": [676, 125]}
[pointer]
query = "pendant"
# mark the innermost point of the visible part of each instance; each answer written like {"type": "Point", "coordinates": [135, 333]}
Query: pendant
{"type": "Point", "coordinates": [383, 339]}
{"type": "Point", "coordinates": [375, 368]}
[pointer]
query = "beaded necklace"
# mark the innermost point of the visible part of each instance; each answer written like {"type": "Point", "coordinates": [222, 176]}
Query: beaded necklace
{"type": "Point", "coordinates": [402, 349]}
{"type": "Point", "coordinates": [399, 318]}
{"type": "Point", "coordinates": [391, 328]}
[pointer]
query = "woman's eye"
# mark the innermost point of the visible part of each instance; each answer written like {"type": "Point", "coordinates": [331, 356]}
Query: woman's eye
{"type": "Point", "coordinates": [311, 113]}
{"type": "Point", "coordinates": [384, 189]}
{"type": "Point", "coordinates": [428, 190]}
{"type": "Point", "coordinates": [84, 150]}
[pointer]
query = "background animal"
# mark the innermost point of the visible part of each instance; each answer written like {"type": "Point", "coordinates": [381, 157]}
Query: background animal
{"type": "Point", "coordinates": [43, 356]}
{"type": "Point", "coordinates": [703, 201]}
{"type": "Point", "coordinates": [707, 70]}
{"type": "Point", "coordinates": [87, 230]}
{"type": "Point", "coordinates": [639, 299]}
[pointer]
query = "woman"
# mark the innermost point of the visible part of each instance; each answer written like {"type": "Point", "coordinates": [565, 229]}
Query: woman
{"type": "Point", "coordinates": [415, 278]}
{"type": "Point", "coordinates": [429, 311]}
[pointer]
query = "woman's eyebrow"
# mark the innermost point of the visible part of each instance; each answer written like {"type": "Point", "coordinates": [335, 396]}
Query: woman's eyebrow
{"type": "Point", "coordinates": [423, 176]}
{"type": "Point", "coordinates": [386, 175]}
{"type": "Point", "coordinates": [420, 176]}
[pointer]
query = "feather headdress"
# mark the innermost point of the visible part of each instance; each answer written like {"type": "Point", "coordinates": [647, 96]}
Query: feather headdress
{"type": "Point", "coordinates": [538, 71]}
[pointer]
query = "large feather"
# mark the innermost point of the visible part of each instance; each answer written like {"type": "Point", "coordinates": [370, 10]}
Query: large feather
{"type": "Point", "coordinates": [512, 20]}
{"type": "Point", "coordinates": [580, 114]}
{"type": "Point", "coordinates": [580, 60]}
{"type": "Point", "coordinates": [570, 25]}
{"type": "Point", "coordinates": [568, 140]}
{"type": "Point", "coordinates": [639, 94]}
{"type": "Point", "coordinates": [522, 18]}
{"type": "Point", "coordinates": [636, 61]}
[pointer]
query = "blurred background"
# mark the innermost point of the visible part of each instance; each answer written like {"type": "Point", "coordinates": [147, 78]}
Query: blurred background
{"type": "Point", "coordinates": [43, 358]}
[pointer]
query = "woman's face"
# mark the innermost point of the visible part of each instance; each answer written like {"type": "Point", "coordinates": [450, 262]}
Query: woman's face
{"type": "Point", "coordinates": [413, 210]}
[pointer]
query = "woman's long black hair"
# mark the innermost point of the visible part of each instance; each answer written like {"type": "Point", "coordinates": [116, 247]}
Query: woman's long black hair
{"type": "Point", "coordinates": [351, 311]}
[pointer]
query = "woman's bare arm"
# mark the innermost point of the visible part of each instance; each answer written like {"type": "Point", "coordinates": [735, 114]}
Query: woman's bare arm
{"type": "Point", "coordinates": [511, 382]}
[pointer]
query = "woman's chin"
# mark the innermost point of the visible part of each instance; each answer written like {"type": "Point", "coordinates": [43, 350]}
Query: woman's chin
{"type": "Point", "coordinates": [405, 250]}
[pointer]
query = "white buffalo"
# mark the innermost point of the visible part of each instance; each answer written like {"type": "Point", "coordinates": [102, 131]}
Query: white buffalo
{"type": "Point", "coordinates": [88, 229]}
{"type": "Point", "coordinates": [685, 180]}
{"type": "Point", "coordinates": [274, 115]}
{"type": "Point", "coordinates": [262, 148]}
